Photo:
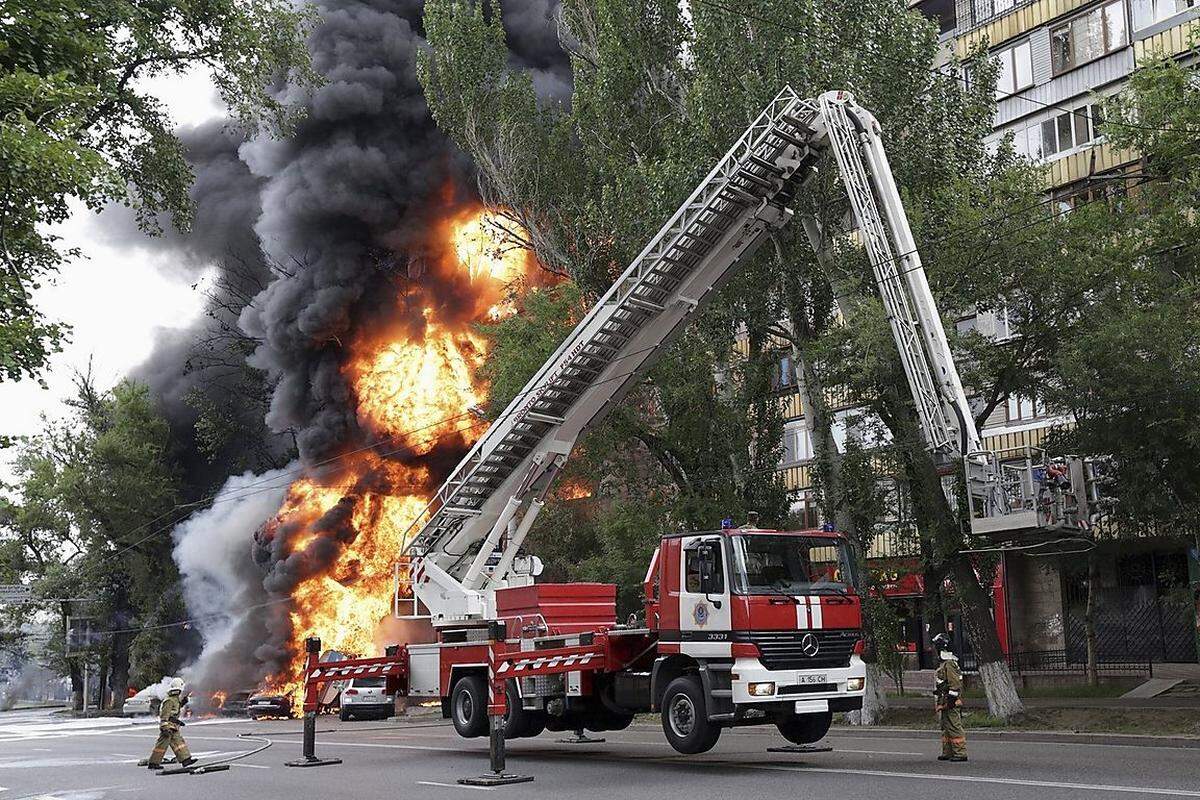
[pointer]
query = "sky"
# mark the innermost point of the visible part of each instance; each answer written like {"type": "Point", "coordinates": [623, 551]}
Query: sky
{"type": "Point", "coordinates": [118, 298]}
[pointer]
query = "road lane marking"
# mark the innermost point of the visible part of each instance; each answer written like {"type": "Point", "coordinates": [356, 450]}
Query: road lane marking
{"type": "Point", "coordinates": [878, 752]}
{"type": "Point", "coordinates": [1093, 787]}
{"type": "Point", "coordinates": [251, 766]}
{"type": "Point", "coordinates": [457, 786]}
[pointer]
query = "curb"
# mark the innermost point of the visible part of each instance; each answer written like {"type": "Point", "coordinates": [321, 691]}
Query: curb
{"type": "Point", "coordinates": [1062, 737]}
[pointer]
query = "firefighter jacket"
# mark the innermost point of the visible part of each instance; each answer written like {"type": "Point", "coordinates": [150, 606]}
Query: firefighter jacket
{"type": "Point", "coordinates": [948, 683]}
{"type": "Point", "coordinates": [168, 713]}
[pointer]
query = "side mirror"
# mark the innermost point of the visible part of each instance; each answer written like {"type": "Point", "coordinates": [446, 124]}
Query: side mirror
{"type": "Point", "coordinates": [710, 580]}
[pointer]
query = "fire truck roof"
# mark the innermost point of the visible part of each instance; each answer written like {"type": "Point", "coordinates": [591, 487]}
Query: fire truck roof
{"type": "Point", "coordinates": [813, 532]}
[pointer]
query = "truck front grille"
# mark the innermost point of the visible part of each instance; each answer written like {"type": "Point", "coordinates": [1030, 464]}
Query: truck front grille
{"type": "Point", "coordinates": [786, 649]}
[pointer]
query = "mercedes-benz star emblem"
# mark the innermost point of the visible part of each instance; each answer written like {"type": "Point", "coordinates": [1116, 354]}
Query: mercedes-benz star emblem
{"type": "Point", "coordinates": [810, 645]}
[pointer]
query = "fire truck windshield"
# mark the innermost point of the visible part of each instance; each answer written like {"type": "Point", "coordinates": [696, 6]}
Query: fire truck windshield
{"type": "Point", "coordinates": [773, 564]}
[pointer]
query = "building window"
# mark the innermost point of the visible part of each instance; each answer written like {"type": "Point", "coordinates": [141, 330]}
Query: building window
{"type": "Point", "coordinates": [806, 510]}
{"type": "Point", "coordinates": [783, 377]}
{"type": "Point", "coordinates": [1088, 37]}
{"type": "Point", "coordinates": [1023, 407]}
{"type": "Point", "coordinates": [1069, 130]}
{"type": "Point", "coordinates": [1016, 69]}
{"type": "Point", "coordinates": [797, 444]}
{"type": "Point", "coordinates": [1148, 12]}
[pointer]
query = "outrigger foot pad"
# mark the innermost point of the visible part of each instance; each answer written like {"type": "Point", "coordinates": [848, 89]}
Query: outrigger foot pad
{"type": "Point", "coordinates": [495, 779]}
{"type": "Point", "coordinates": [800, 748]}
{"type": "Point", "coordinates": [312, 762]}
{"type": "Point", "coordinates": [580, 739]}
{"type": "Point", "coordinates": [198, 769]}
{"type": "Point", "coordinates": [177, 771]}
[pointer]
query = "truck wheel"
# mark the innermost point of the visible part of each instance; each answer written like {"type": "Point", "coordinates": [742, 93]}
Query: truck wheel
{"type": "Point", "coordinates": [468, 706]}
{"type": "Point", "coordinates": [805, 728]}
{"type": "Point", "coordinates": [520, 722]}
{"type": "Point", "coordinates": [685, 717]}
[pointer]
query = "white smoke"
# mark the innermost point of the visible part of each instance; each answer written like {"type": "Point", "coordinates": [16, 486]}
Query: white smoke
{"type": "Point", "coordinates": [221, 583]}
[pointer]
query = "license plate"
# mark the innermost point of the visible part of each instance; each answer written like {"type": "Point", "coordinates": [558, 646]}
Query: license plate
{"type": "Point", "coordinates": [803, 678]}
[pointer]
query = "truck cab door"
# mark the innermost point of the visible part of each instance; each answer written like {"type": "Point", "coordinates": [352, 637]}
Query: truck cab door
{"type": "Point", "coordinates": [704, 608]}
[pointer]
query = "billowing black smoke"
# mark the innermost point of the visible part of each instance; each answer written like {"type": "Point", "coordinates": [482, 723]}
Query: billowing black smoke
{"type": "Point", "coordinates": [338, 211]}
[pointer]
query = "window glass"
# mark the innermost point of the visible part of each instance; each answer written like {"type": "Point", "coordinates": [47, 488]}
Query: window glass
{"type": "Point", "coordinates": [1084, 48]}
{"type": "Point", "coordinates": [1060, 49]}
{"type": "Point", "coordinates": [1082, 133]}
{"type": "Point", "coordinates": [790, 564]}
{"type": "Point", "coordinates": [1023, 63]}
{"type": "Point", "coordinates": [1049, 139]}
{"type": "Point", "coordinates": [369, 683]}
{"type": "Point", "coordinates": [1064, 132]}
{"type": "Point", "coordinates": [691, 570]}
{"type": "Point", "coordinates": [691, 567]}
{"type": "Point", "coordinates": [1004, 77]}
{"type": "Point", "coordinates": [1114, 25]}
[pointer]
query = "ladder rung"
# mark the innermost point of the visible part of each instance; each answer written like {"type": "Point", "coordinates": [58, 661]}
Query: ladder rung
{"type": "Point", "coordinates": [779, 133]}
{"type": "Point", "coordinates": [538, 417]}
{"type": "Point", "coordinates": [634, 300]}
{"type": "Point", "coordinates": [741, 194]}
{"type": "Point", "coordinates": [755, 179]}
{"type": "Point", "coordinates": [759, 161]}
{"type": "Point", "coordinates": [460, 511]}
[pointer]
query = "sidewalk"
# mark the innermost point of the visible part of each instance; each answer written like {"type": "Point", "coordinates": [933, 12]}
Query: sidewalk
{"type": "Point", "coordinates": [913, 700]}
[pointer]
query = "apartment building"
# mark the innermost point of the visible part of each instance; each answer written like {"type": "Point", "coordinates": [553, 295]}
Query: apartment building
{"type": "Point", "coordinates": [1058, 59]}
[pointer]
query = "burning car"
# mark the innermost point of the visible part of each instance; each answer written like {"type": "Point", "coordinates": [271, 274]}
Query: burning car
{"type": "Point", "coordinates": [144, 702]}
{"type": "Point", "coordinates": [264, 705]}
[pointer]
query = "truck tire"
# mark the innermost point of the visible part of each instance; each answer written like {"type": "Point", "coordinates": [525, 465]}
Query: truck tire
{"type": "Point", "coordinates": [805, 728]}
{"type": "Point", "coordinates": [685, 717]}
{"type": "Point", "coordinates": [520, 722]}
{"type": "Point", "coordinates": [468, 706]}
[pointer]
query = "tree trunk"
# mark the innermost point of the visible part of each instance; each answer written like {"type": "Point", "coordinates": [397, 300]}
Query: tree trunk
{"type": "Point", "coordinates": [874, 699]}
{"type": "Point", "coordinates": [998, 685]}
{"type": "Point", "coordinates": [119, 676]}
{"type": "Point", "coordinates": [76, 684]}
{"type": "Point", "coordinates": [102, 684]}
{"type": "Point", "coordinates": [1089, 619]}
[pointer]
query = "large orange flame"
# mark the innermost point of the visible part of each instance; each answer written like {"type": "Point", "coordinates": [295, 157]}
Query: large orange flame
{"type": "Point", "coordinates": [415, 388]}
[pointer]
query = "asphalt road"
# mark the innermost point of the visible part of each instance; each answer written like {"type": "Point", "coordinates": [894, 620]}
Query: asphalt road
{"type": "Point", "coordinates": [96, 760]}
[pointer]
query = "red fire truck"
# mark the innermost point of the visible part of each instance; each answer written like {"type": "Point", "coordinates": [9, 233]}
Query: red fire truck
{"type": "Point", "coordinates": [741, 626]}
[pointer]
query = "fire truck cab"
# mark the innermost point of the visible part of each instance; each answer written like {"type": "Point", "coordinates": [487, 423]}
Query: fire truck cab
{"type": "Point", "coordinates": [753, 626]}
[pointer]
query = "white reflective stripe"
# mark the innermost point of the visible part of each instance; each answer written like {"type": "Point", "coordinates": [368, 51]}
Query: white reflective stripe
{"type": "Point", "coordinates": [503, 667]}
{"type": "Point", "coordinates": [814, 608]}
{"type": "Point", "coordinates": [802, 613]}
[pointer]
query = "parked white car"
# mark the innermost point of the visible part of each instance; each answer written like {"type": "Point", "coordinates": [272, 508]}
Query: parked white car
{"type": "Point", "coordinates": [367, 697]}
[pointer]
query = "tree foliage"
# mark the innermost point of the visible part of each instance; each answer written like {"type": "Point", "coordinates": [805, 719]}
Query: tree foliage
{"type": "Point", "coordinates": [1130, 374]}
{"type": "Point", "coordinates": [85, 523]}
{"type": "Point", "coordinates": [78, 124]}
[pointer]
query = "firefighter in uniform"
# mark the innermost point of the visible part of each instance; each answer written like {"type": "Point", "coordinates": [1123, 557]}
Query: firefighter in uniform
{"type": "Point", "coordinates": [168, 728]}
{"type": "Point", "coordinates": [948, 691]}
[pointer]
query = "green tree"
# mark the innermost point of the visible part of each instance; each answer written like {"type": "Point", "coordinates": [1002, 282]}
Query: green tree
{"type": "Point", "coordinates": [86, 521]}
{"type": "Point", "coordinates": [1131, 377]}
{"type": "Point", "coordinates": [592, 183]}
{"type": "Point", "coordinates": [77, 123]}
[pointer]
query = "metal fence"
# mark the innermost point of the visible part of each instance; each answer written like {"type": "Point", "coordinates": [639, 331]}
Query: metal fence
{"type": "Point", "coordinates": [1061, 662]}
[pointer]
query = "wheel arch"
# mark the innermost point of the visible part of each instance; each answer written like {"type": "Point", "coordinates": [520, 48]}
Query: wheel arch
{"type": "Point", "coordinates": [667, 669]}
{"type": "Point", "coordinates": [457, 673]}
